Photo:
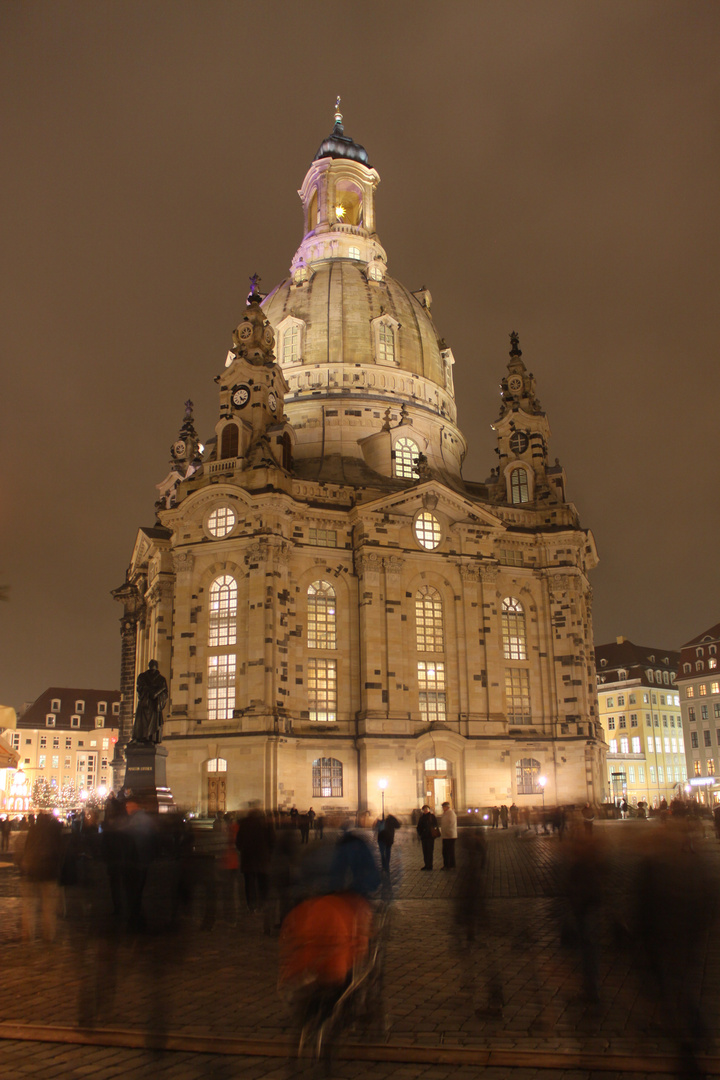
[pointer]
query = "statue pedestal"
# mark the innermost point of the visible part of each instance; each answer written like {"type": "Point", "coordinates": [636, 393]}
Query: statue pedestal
{"type": "Point", "coordinates": [145, 774]}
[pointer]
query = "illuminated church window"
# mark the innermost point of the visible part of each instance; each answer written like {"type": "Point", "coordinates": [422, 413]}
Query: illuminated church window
{"type": "Point", "coordinates": [322, 690]}
{"type": "Point", "coordinates": [519, 488]}
{"type": "Point", "coordinates": [354, 252]}
{"type": "Point", "coordinates": [527, 774]}
{"type": "Point", "coordinates": [223, 612]}
{"type": "Point", "coordinates": [327, 778]}
{"type": "Point", "coordinates": [436, 764]}
{"type": "Point", "coordinates": [217, 765]}
{"type": "Point", "coordinates": [221, 522]}
{"type": "Point", "coordinates": [221, 686]}
{"type": "Point", "coordinates": [427, 530]}
{"type": "Point", "coordinates": [513, 629]}
{"type": "Point", "coordinates": [431, 686]}
{"type": "Point", "coordinates": [406, 455]}
{"type": "Point", "coordinates": [322, 630]}
{"type": "Point", "coordinates": [517, 695]}
{"type": "Point", "coordinates": [429, 620]}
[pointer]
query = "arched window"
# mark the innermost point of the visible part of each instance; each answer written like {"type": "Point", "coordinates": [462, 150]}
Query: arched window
{"type": "Point", "coordinates": [322, 670]}
{"type": "Point", "coordinates": [431, 689]}
{"type": "Point", "coordinates": [291, 344]}
{"type": "Point", "coordinates": [528, 771]}
{"type": "Point", "coordinates": [436, 764]}
{"type": "Point", "coordinates": [386, 344]}
{"type": "Point", "coordinates": [321, 624]}
{"type": "Point", "coordinates": [406, 455]}
{"type": "Point", "coordinates": [513, 629]}
{"type": "Point", "coordinates": [229, 442]}
{"type": "Point", "coordinates": [429, 620]}
{"type": "Point", "coordinates": [218, 764]}
{"type": "Point", "coordinates": [223, 611]}
{"type": "Point", "coordinates": [327, 778]}
{"type": "Point", "coordinates": [519, 489]}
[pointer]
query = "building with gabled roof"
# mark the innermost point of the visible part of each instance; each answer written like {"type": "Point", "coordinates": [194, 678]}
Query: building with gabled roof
{"type": "Point", "coordinates": [639, 709]}
{"type": "Point", "coordinates": [331, 602]}
{"type": "Point", "coordinates": [699, 685]}
{"type": "Point", "coordinates": [68, 735]}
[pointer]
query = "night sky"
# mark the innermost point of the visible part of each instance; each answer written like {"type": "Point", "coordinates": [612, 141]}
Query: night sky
{"type": "Point", "coordinates": [546, 167]}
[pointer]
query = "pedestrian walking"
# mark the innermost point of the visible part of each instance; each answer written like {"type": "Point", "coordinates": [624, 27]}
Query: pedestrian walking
{"type": "Point", "coordinates": [448, 832]}
{"type": "Point", "coordinates": [386, 829]}
{"type": "Point", "coordinates": [504, 816]}
{"type": "Point", "coordinates": [428, 831]}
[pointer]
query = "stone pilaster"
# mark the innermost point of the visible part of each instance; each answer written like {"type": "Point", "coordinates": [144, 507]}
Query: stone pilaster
{"type": "Point", "coordinates": [133, 611]}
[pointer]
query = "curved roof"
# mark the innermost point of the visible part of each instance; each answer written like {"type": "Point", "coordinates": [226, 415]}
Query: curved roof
{"type": "Point", "coordinates": [338, 305]}
{"type": "Point", "coordinates": [339, 145]}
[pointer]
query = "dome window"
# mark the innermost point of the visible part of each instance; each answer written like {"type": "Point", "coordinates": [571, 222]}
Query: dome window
{"type": "Point", "coordinates": [386, 329]}
{"type": "Point", "coordinates": [406, 455]}
{"type": "Point", "coordinates": [354, 252]}
{"type": "Point", "coordinates": [291, 335]}
{"type": "Point", "coordinates": [348, 208]}
{"type": "Point", "coordinates": [375, 272]}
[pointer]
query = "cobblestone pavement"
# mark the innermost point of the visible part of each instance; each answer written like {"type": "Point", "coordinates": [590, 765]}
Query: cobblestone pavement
{"type": "Point", "coordinates": [511, 1003]}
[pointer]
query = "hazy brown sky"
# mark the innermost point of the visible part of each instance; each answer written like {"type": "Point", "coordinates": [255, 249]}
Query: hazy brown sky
{"type": "Point", "coordinates": [549, 167]}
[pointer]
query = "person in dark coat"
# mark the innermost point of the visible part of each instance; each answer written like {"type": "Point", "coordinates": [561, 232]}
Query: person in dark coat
{"type": "Point", "coordinates": [386, 829]}
{"type": "Point", "coordinates": [40, 859]}
{"type": "Point", "coordinates": [255, 841]}
{"type": "Point", "coordinates": [427, 830]}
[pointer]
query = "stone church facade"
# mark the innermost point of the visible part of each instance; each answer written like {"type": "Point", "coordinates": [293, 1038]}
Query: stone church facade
{"type": "Point", "coordinates": [332, 604]}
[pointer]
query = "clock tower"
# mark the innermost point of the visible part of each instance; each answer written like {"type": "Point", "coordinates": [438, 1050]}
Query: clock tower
{"type": "Point", "coordinates": [523, 433]}
{"type": "Point", "coordinates": [252, 430]}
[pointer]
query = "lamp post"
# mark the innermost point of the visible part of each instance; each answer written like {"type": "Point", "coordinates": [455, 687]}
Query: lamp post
{"type": "Point", "coordinates": [542, 781]}
{"type": "Point", "coordinates": [382, 784]}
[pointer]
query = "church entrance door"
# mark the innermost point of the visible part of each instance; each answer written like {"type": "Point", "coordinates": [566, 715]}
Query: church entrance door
{"type": "Point", "coordinates": [216, 795]}
{"type": "Point", "coordinates": [439, 785]}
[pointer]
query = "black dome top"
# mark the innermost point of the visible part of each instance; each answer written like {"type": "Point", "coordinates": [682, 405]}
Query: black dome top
{"type": "Point", "coordinates": [338, 145]}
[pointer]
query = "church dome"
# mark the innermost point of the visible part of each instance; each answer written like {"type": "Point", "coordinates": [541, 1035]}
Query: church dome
{"type": "Point", "coordinates": [338, 307]}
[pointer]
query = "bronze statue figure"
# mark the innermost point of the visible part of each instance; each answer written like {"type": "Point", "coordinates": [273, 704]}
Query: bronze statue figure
{"type": "Point", "coordinates": [152, 693]}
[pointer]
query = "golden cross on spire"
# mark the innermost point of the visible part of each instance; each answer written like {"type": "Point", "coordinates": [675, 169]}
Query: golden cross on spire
{"type": "Point", "coordinates": [338, 114]}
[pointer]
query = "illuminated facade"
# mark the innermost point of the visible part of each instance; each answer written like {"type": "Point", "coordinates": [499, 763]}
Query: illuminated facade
{"type": "Point", "coordinates": [332, 603]}
{"type": "Point", "coordinates": [639, 707]}
{"type": "Point", "coordinates": [68, 736]}
{"type": "Point", "coordinates": [699, 685]}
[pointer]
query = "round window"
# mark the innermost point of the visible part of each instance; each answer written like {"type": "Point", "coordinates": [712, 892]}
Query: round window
{"type": "Point", "coordinates": [221, 522]}
{"type": "Point", "coordinates": [427, 530]}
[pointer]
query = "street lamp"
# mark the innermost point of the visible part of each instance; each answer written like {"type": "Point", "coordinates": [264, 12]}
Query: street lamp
{"type": "Point", "coordinates": [542, 781]}
{"type": "Point", "coordinates": [382, 784]}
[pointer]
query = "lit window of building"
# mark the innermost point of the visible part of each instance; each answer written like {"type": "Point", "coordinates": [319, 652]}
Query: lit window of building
{"type": "Point", "coordinates": [322, 690]}
{"type": "Point", "coordinates": [690, 691]}
{"type": "Point", "coordinates": [222, 623]}
{"type": "Point", "coordinates": [427, 530]}
{"type": "Point", "coordinates": [527, 776]}
{"type": "Point", "coordinates": [406, 455]}
{"type": "Point", "coordinates": [517, 695]}
{"type": "Point", "coordinates": [221, 686]}
{"type": "Point", "coordinates": [513, 629]}
{"type": "Point", "coordinates": [429, 620]}
{"type": "Point", "coordinates": [519, 488]}
{"type": "Point", "coordinates": [321, 622]}
{"type": "Point", "coordinates": [431, 686]}
{"type": "Point", "coordinates": [327, 778]}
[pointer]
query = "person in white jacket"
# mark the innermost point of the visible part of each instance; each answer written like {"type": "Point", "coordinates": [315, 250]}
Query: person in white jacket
{"type": "Point", "coordinates": [448, 832]}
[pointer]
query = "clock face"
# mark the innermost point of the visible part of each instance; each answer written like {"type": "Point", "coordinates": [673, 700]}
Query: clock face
{"type": "Point", "coordinates": [245, 332]}
{"type": "Point", "coordinates": [519, 442]}
{"type": "Point", "coordinates": [179, 448]}
{"type": "Point", "coordinates": [272, 402]}
{"type": "Point", "coordinates": [268, 336]}
{"type": "Point", "coordinates": [240, 396]}
{"type": "Point", "coordinates": [515, 384]}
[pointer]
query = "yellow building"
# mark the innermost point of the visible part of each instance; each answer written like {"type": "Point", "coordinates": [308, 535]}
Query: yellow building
{"type": "Point", "coordinates": [639, 708]}
{"type": "Point", "coordinates": [68, 736]}
{"type": "Point", "coordinates": [332, 603]}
